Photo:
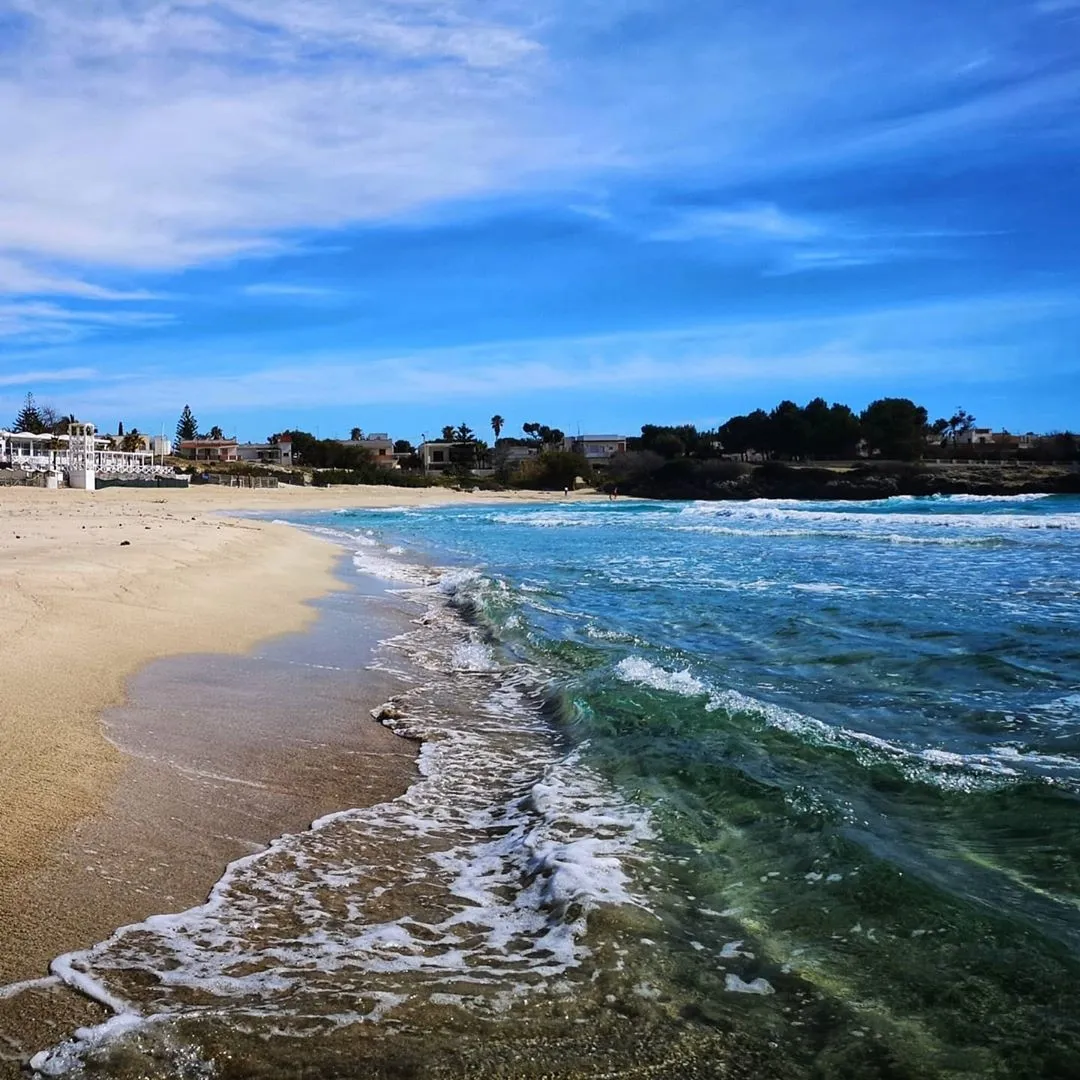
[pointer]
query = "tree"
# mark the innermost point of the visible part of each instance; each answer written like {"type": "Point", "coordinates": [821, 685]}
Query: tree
{"type": "Point", "coordinates": [448, 433]}
{"type": "Point", "coordinates": [790, 430]}
{"type": "Point", "coordinates": [834, 431]}
{"type": "Point", "coordinates": [403, 446]}
{"type": "Point", "coordinates": [216, 433]}
{"type": "Point", "coordinates": [554, 470]}
{"type": "Point", "coordinates": [497, 424]}
{"type": "Point", "coordinates": [543, 434]}
{"type": "Point", "coordinates": [895, 427]}
{"type": "Point", "coordinates": [120, 430]}
{"type": "Point", "coordinates": [326, 453]}
{"type": "Point", "coordinates": [132, 442]}
{"type": "Point", "coordinates": [960, 423]}
{"type": "Point", "coordinates": [187, 427]}
{"type": "Point", "coordinates": [464, 434]}
{"type": "Point", "coordinates": [356, 434]}
{"type": "Point", "coordinates": [29, 418]}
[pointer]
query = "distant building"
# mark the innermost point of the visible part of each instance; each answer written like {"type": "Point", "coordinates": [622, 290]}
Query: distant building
{"type": "Point", "coordinates": [511, 456]}
{"type": "Point", "coordinates": [271, 453]}
{"type": "Point", "coordinates": [379, 445]}
{"type": "Point", "coordinates": [440, 455]}
{"type": "Point", "coordinates": [596, 449]}
{"type": "Point", "coordinates": [979, 436]}
{"type": "Point", "coordinates": [436, 456]}
{"type": "Point", "coordinates": [158, 445]}
{"type": "Point", "coordinates": [209, 449]}
{"type": "Point", "coordinates": [1007, 441]}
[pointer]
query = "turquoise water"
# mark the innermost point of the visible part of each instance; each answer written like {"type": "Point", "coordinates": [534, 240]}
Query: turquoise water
{"type": "Point", "coordinates": [764, 789]}
{"type": "Point", "coordinates": [857, 727]}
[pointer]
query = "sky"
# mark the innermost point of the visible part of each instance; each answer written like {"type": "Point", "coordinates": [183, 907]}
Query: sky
{"type": "Point", "coordinates": [594, 214]}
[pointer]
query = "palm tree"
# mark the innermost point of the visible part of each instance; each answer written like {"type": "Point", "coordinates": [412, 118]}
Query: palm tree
{"type": "Point", "coordinates": [497, 424]}
{"type": "Point", "coordinates": [356, 434]}
{"type": "Point", "coordinates": [448, 433]}
{"type": "Point", "coordinates": [216, 433]}
{"type": "Point", "coordinates": [132, 442]}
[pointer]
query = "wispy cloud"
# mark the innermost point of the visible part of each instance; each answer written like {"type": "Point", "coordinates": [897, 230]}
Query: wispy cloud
{"type": "Point", "coordinates": [903, 342]}
{"type": "Point", "coordinates": [143, 138]}
{"type": "Point", "coordinates": [17, 278]}
{"type": "Point", "coordinates": [38, 377]}
{"type": "Point", "coordinates": [763, 221]}
{"type": "Point", "coordinates": [286, 289]}
{"type": "Point", "coordinates": [41, 322]}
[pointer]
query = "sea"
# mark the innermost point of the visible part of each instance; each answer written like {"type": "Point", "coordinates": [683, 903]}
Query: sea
{"type": "Point", "coordinates": [757, 789]}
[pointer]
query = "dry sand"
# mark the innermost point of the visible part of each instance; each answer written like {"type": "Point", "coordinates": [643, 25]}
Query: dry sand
{"type": "Point", "coordinates": [93, 588]}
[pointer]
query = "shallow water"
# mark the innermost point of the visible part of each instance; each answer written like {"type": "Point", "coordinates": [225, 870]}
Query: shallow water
{"type": "Point", "coordinates": [772, 788]}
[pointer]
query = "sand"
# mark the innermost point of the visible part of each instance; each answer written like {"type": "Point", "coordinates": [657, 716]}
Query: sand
{"type": "Point", "coordinates": [94, 587]}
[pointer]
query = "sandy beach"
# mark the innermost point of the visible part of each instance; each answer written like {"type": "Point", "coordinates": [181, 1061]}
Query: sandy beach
{"type": "Point", "coordinates": [93, 589]}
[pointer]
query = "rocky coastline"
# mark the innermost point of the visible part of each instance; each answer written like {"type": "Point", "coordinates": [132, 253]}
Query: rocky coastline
{"type": "Point", "coordinates": [686, 479]}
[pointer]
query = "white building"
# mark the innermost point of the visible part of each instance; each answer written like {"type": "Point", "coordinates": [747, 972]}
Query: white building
{"type": "Point", "coordinates": [275, 453]}
{"type": "Point", "coordinates": [57, 454]}
{"type": "Point", "coordinates": [596, 449]}
{"type": "Point", "coordinates": [379, 445]}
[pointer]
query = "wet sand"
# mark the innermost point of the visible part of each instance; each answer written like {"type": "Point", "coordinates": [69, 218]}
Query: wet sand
{"type": "Point", "coordinates": [225, 753]}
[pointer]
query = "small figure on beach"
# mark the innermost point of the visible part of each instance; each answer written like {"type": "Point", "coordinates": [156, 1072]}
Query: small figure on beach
{"type": "Point", "coordinates": [566, 492]}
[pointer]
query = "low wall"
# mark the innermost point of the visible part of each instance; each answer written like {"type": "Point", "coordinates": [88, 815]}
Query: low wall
{"type": "Point", "coordinates": [21, 478]}
{"type": "Point", "coordinates": [141, 482]}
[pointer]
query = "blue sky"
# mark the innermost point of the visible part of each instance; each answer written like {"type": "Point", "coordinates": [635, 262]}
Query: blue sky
{"type": "Point", "coordinates": [400, 214]}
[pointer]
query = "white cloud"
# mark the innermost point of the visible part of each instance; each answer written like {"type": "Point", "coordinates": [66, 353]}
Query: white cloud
{"type": "Point", "coordinates": [42, 322]}
{"type": "Point", "coordinates": [17, 278]}
{"type": "Point", "coordinates": [34, 377]}
{"type": "Point", "coordinates": [283, 288]}
{"type": "Point", "coordinates": [157, 135]}
{"type": "Point", "coordinates": [763, 221]}
{"type": "Point", "coordinates": [897, 343]}
{"type": "Point", "coordinates": [150, 136]}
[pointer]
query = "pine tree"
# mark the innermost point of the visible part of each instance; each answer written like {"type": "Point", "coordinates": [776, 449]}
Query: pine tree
{"type": "Point", "coordinates": [187, 427]}
{"type": "Point", "coordinates": [120, 429]}
{"type": "Point", "coordinates": [29, 418]}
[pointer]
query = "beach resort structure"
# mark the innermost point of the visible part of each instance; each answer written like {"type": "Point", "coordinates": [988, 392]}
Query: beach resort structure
{"type": "Point", "coordinates": [76, 459]}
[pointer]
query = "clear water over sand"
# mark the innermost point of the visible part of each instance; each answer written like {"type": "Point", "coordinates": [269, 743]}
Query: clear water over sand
{"type": "Point", "coordinates": [731, 789]}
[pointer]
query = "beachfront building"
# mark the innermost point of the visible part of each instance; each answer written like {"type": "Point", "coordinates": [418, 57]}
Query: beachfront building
{"type": "Point", "coordinates": [160, 446]}
{"type": "Point", "coordinates": [596, 449]}
{"type": "Point", "coordinates": [215, 450]}
{"type": "Point", "coordinates": [279, 452]}
{"type": "Point", "coordinates": [436, 456]}
{"type": "Point", "coordinates": [76, 457]}
{"type": "Point", "coordinates": [379, 445]}
{"type": "Point", "coordinates": [977, 436]}
{"type": "Point", "coordinates": [439, 456]}
{"type": "Point", "coordinates": [510, 455]}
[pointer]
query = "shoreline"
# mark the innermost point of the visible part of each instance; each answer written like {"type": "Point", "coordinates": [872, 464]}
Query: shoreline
{"type": "Point", "coordinates": [97, 590]}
